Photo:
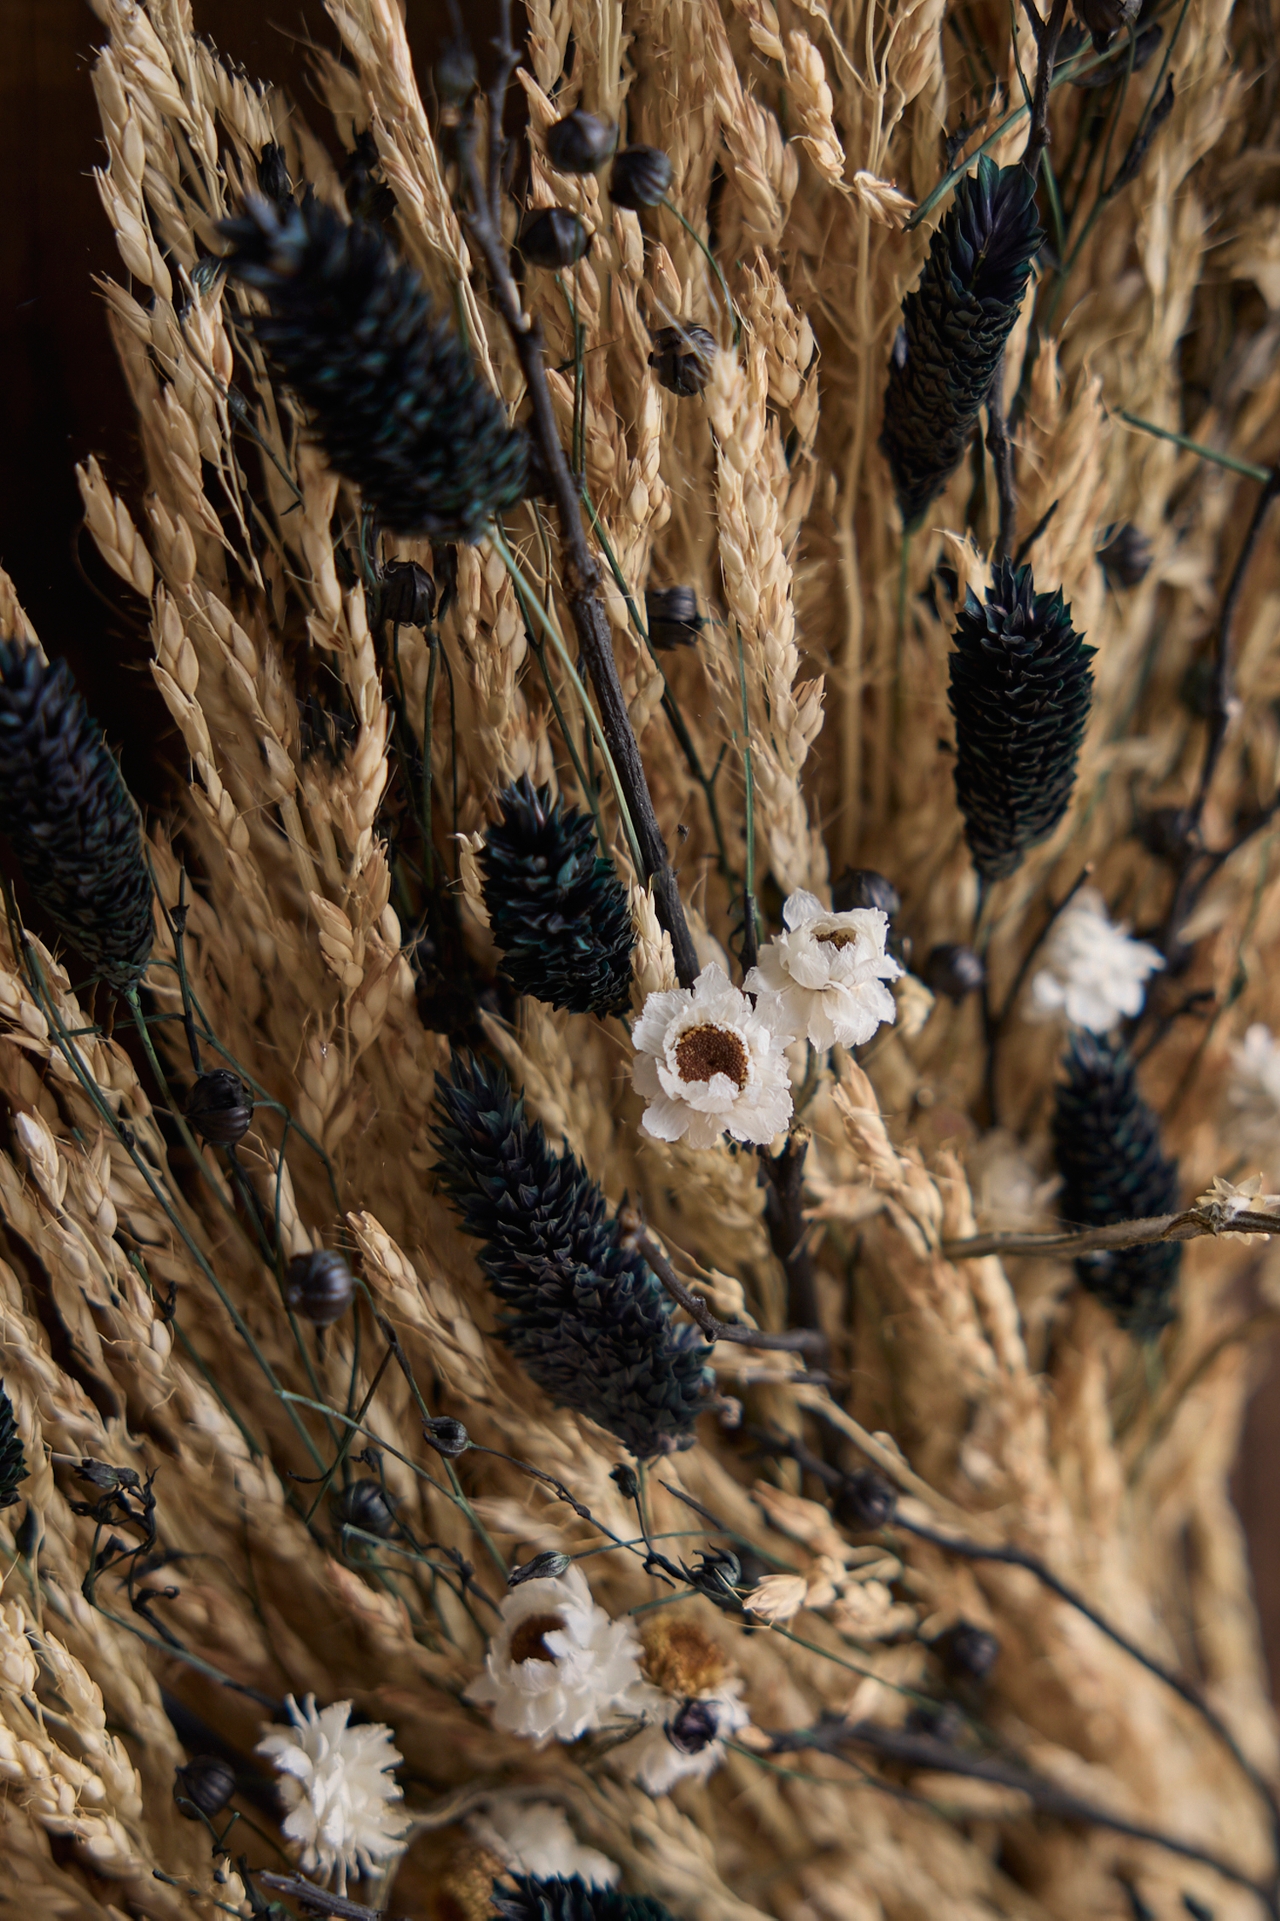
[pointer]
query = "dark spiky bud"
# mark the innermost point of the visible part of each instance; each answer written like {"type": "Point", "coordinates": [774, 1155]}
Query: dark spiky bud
{"type": "Point", "coordinates": [446, 1436]}
{"type": "Point", "coordinates": [640, 177]}
{"type": "Point", "coordinates": [863, 887]}
{"type": "Point", "coordinates": [273, 174]}
{"type": "Point", "coordinates": [954, 328]}
{"type": "Point", "coordinates": [69, 818]}
{"type": "Point", "coordinates": [968, 1653]}
{"type": "Point", "coordinates": [319, 1286]}
{"type": "Point", "coordinates": [1020, 690]}
{"type": "Point", "coordinates": [543, 1567]}
{"type": "Point", "coordinates": [560, 1898]}
{"type": "Point", "coordinates": [682, 358]}
{"type": "Point", "coordinates": [581, 1311]}
{"type": "Point", "coordinates": [672, 617]}
{"type": "Point", "coordinates": [954, 970]}
{"type": "Point", "coordinates": [557, 911]}
{"type": "Point", "coordinates": [1125, 556]}
{"type": "Point", "coordinates": [207, 1782]}
{"type": "Point", "coordinates": [864, 1501]}
{"type": "Point", "coordinates": [1105, 17]}
{"type": "Point", "coordinates": [553, 237]}
{"type": "Point", "coordinates": [626, 1480]}
{"type": "Point", "coordinates": [1107, 1143]}
{"type": "Point", "coordinates": [220, 1107]}
{"type": "Point", "coordinates": [399, 406]}
{"type": "Point", "coordinates": [365, 1505]}
{"type": "Point", "coordinates": [581, 142]}
{"type": "Point", "coordinates": [717, 1574]}
{"type": "Point", "coordinates": [13, 1466]}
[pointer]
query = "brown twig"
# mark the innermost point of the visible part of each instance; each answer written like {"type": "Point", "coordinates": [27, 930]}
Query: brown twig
{"type": "Point", "coordinates": [580, 569]}
{"type": "Point", "coordinates": [798, 1340]}
{"type": "Point", "coordinates": [788, 1229]}
{"type": "Point", "coordinates": [1000, 447]}
{"type": "Point", "coordinates": [1187, 1226]}
{"type": "Point", "coordinates": [1047, 33]}
{"type": "Point", "coordinates": [314, 1900]}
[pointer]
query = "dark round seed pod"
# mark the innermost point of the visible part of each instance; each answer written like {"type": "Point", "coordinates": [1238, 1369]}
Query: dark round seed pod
{"type": "Point", "coordinates": [1106, 17]}
{"type": "Point", "coordinates": [406, 594]}
{"type": "Point", "coordinates": [273, 175]}
{"type": "Point", "coordinates": [543, 1567]}
{"type": "Point", "coordinates": [207, 1782]}
{"type": "Point", "coordinates": [968, 1653]}
{"type": "Point", "coordinates": [954, 970]}
{"type": "Point", "coordinates": [672, 617]}
{"type": "Point", "coordinates": [365, 1505]}
{"type": "Point", "coordinates": [863, 887]}
{"type": "Point", "coordinates": [682, 358]}
{"type": "Point", "coordinates": [581, 142]}
{"type": "Point", "coordinates": [456, 77]}
{"type": "Point", "coordinates": [624, 1478]}
{"type": "Point", "coordinates": [1126, 556]}
{"type": "Point", "coordinates": [693, 1727]}
{"type": "Point", "coordinates": [319, 1286]}
{"type": "Point", "coordinates": [941, 1721]}
{"type": "Point", "coordinates": [220, 1107]}
{"type": "Point", "coordinates": [640, 177]}
{"type": "Point", "coordinates": [446, 1436]}
{"type": "Point", "coordinates": [1163, 831]}
{"type": "Point", "coordinates": [864, 1501]}
{"type": "Point", "coordinates": [553, 237]}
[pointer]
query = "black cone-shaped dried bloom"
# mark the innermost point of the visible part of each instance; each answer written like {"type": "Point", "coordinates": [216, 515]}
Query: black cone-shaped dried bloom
{"type": "Point", "coordinates": [69, 818]}
{"type": "Point", "coordinates": [1020, 691]}
{"type": "Point", "coordinates": [569, 1898]}
{"type": "Point", "coordinates": [558, 912]}
{"type": "Point", "coordinates": [581, 1312]}
{"type": "Point", "coordinates": [1107, 1143]}
{"type": "Point", "coordinates": [954, 327]}
{"type": "Point", "coordinates": [398, 403]}
{"type": "Point", "coordinates": [13, 1466]}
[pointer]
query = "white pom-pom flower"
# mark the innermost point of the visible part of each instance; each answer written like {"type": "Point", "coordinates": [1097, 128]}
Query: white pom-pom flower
{"type": "Point", "coordinates": [558, 1666]}
{"type": "Point", "coordinates": [337, 1788]}
{"type": "Point", "coordinates": [1093, 971]}
{"type": "Point", "coordinates": [534, 1837]}
{"type": "Point", "coordinates": [709, 1063]}
{"type": "Point", "coordinates": [827, 972]}
{"type": "Point", "coordinates": [688, 1743]}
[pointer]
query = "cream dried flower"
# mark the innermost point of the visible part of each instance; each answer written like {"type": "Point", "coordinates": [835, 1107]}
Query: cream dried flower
{"type": "Point", "coordinates": [1093, 971]}
{"type": "Point", "coordinates": [827, 972]}
{"type": "Point", "coordinates": [337, 1787]}
{"type": "Point", "coordinates": [558, 1665]}
{"type": "Point", "coordinates": [710, 1063]}
{"type": "Point", "coordinates": [867, 1611]}
{"type": "Point", "coordinates": [777, 1597]}
{"type": "Point", "coordinates": [534, 1837]}
{"type": "Point", "coordinates": [688, 1745]}
{"type": "Point", "coordinates": [1229, 1199]}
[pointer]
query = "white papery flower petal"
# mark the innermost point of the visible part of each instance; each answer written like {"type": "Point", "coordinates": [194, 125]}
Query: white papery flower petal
{"type": "Point", "coordinates": [1093, 972]}
{"type": "Point", "coordinates": [337, 1787]}
{"type": "Point", "coordinates": [534, 1837]}
{"type": "Point", "coordinates": [826, 972]}
{"type": "Point", "coordinates": [708, 1063]}
{"type": "Point", "coordinates": [558, 1666]}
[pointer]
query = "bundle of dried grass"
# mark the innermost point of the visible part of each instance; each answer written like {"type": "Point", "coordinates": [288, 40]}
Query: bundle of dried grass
{"type": "Point", "coordinates": [939, 1604]}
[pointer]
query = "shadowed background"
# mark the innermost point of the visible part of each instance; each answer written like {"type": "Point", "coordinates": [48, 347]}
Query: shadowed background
{"type": "Point", "coordinates": [62, 399]}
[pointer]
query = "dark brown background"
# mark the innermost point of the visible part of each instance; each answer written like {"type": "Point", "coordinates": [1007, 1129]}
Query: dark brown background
{"type": "Point", "coordinates": [61, 399]}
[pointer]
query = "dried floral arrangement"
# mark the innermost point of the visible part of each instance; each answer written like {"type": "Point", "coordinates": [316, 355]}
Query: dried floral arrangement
{"type": "Point", "coordinates": [626, 1291]}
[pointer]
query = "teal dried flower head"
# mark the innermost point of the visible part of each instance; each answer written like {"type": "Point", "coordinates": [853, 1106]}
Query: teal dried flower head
{"type": "Point", "coordinates": [558, 912]}
{"type": "Point", "coordinates": [13, 1466]}
{"type": "Point", "coordinates": [1020, 692]}
{"type": "Point", "coordinates": [581, 1312]}
{"type": "Point", "coordinates": [569, 1898]}
{"type": "Point", "coordinates": [70, 819]}
{"type": "Point", "coordinates": [399, 406]}
{"type": "Point", "coordinates": [954, 328]}
{"type": "Point", "coordinates": [1107, 1143]}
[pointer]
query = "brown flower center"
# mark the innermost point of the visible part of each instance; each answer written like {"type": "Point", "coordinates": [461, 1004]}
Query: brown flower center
{"type": "Point", "coordinates": [704, 1051]}
{"type": "Point", "coordinates": [527, 1643]}
{"type": "Point", "coordinates": [839, 938]}
{"type": "Point", "coordinates": [681, 1657]}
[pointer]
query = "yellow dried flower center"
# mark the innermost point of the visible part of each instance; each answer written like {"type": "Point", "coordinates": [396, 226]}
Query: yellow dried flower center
{"type": "Point", "coordinates": [704, 1051]}
{"type": "Point", "coordinates": [682, 1658]}
{"type": "Point", "coordinates": [839, 938]}
{"type": "Point", "coordinates": [527, 1643]}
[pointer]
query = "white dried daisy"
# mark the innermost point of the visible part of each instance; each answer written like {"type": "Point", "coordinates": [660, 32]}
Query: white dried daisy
{"type": "Point", "coordinates": [709, 1063]}
{"type": "Point", "coordinates": [687, 1744]}
{"type": "Point", "coordinates": [1093, 972]}
{"type": "Point", "coordinates": [558, 1665]}
{"type": "Point", "coordinates": [1253, 1093]}
{"type": "Point", "coordinates": [534, 1837]}
{"type": "Point", "coordinates": [337, 1786]}
{"type": "Point", "coordinates": [828, 972]}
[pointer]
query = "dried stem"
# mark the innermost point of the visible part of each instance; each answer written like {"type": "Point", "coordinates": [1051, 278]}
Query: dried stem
{"type": "Point", "coordinates": [1000, 447]}
{"type": "Point", "coordinates": [799, 1339]}
{"type": "Point", "coordinates": [789, 1231]}
{"type": "Point", "coordinates": [1187, 1226]}
{"type": "Point", "coordinates": [1047, 33]}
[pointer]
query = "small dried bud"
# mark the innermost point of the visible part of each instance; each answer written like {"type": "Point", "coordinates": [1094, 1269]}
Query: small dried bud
{"type": "Point", "coordinates": [693, 1727]}
{"type": "Point", "coordinates": [446, 1436]}
{"type": "Point", "coordinates": [102, 1474]}
{"type": "Point", "coordinates": [954, 970]}
{"type": "Point", "coordinates": [581, 142]}
{"type": "Point", "coordinates": [220, 1107]}
{"type": "Point", "coordinates": [1105, 17]}
{"type": "Point", "coordinates": [273, 175]}
{"type": "Point", "coordinates": [543, 1567]}
{"type": "Point", "coordinates": [863, 887]}
{"type": "Point", "coordinates": [406, 595]}
{"type": "Point", "coordinates": [455, 73]}
{"type": "Point", "coordinates": [626, 1481]}
{"type": "Point", "coordinates": [968, 1653]}
{"type": "Point", "coordinates": [365, 1505]}
{"type": "Point", "coordinates": [682, 358]}
{"type": "Point", "coordinates": [941, 1721]}
{"type": "Point", "coordinates": [1125, 559]}
{"type": "Point", "coordinates": [553, 237]}
{"type": "Point", "coordinates": [864, 1500]}
{"type": "Point", "coordinates": [718, 1575]}
{"type": "Point", "coordinates": [206, 1782]}
{"type": "Point", "coordinates": [320, 1287]}
{"type": "Point", "coordinates": [640, 177]}
{"type": "Point", "coordinates": [672, 617]}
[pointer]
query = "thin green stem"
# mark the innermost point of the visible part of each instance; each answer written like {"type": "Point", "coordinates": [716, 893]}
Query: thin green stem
{"type": "Point", "coordinates": [344, 1446]}
{"type": "Point", "coordinates": [1219, 459]}
{"type": "Point", "coordinates": [714, 265]}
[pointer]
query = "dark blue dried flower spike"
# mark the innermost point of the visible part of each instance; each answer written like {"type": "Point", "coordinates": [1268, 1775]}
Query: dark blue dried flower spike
{"type": "Point", "coordinates": [1107, 1143]}
{"type": "Point", "coordinates": [581, 1312]}
{"type": "Point", "coordinates": [558, 912]}
{"type": "Point", "coordinates": [1020, 693]}
{"type": "Point", "coordinates": [954, 328]}
{"type": "Point", "coordinates": [399, 406]}
{"type": "Point", "coordinates": [569, 1898]}
{"type": "Point", "coordinates": [69, 818]}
